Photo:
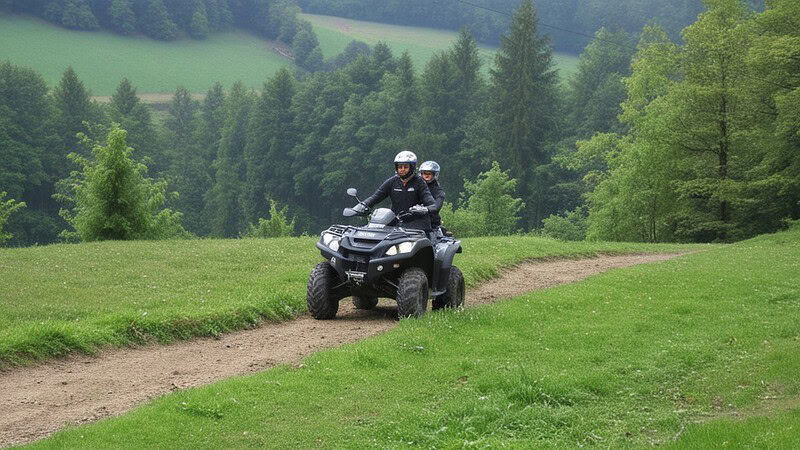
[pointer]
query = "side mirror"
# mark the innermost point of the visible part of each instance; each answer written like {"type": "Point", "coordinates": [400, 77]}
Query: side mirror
{"type": "Point", "coordinates": [352, 192]}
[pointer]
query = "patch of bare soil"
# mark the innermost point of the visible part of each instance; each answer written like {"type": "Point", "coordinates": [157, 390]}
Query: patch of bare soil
{"type": "Point", "coordinates": [37, 401]}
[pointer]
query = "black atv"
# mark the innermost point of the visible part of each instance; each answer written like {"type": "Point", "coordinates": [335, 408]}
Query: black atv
{"type": "Point", "coordinates": [383, 259]}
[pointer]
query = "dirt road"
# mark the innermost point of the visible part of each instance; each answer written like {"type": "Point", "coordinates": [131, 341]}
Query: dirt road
{"type": "Point", "coordinates": [37, 401]}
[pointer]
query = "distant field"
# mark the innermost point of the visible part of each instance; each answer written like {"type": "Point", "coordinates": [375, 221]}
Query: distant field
{"type": "Point", "coordinates": [335, 33]}
{"type": "Point", "coordinates": [101, 59]}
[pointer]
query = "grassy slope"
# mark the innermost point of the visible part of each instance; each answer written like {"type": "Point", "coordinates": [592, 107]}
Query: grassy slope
{"type": "Point", "coordinates": [695, 352]}
{"type": "Point", "coordinates": [62, 298]}
{"type": "Point", "coordinates": [335, 33]}
{"type": "Point", "coordinates": [101, 59]}
{"type": "Point", "coordinates": [159, 67]}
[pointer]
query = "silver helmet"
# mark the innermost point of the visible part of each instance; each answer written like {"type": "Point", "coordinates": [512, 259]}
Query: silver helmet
{"type": "Point", "coordinates": [406, 157]}
{"type": "Point", "coordinates": [430, 166]}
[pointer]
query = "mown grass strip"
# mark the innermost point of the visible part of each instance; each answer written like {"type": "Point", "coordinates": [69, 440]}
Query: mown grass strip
{"type": "Point", "coordinates": [680, 352]}
{"type": "Point", "coordinates": [60, 299]}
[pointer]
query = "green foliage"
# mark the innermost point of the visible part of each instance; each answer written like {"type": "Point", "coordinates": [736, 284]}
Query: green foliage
{"type": "Point", "coordinates": [157, 23]}
{"type": "Point", "coordinates": [112, 198]}
{"type": "Point", "coordinates": [7, 208]}
{"type": "Point", "coordinates": [78, 15]}
{"type": "Point", "coordinates": [488, 207]}
{"type": "Point", "coordinates": [569, 227]}
{"type": "Point", "coordinates": [275, 226]}
{"type": "Point", "coordinates": [121, 17]}
{"type": "Point", "coordinates": [525, 106]}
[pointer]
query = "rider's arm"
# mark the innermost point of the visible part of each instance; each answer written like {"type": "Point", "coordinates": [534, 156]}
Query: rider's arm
{"type": "Point", "coordinates": [379, 195]}
{"type": "Point", "coordinates": [438, 201]}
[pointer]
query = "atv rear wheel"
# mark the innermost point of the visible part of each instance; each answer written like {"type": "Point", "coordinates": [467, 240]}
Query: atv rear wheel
{"type": "Point", "coordinates": [322, 302]}
{"type": "Point", "coordinates": [412, 295]}
{"type": "Point", "coordinates": [453, 297]}
{"type": "Point", "coordinates": [364, 302]}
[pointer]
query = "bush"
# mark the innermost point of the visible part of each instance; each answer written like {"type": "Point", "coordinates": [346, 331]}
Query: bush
{"type": "Point", "coordinates": [6, 209]}
{"type": "Point", "coordinates": [570, 227]}
{"type": "Point", "coordinates": [488, 207]}
{"type": "Point", "coordinates": [112, 198]}
{"type": "Point", "coordinates": [275, 226]}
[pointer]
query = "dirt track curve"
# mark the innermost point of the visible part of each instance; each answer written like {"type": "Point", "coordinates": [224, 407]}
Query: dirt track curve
{"type": "Point", "coordinates": [38, 401]}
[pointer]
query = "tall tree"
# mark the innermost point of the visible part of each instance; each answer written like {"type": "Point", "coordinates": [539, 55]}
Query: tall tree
{"type": "Point", "coordinates": [222, 202]}
{"type": "Point", "coordinates": [212, 119]}
{"type": "Point", "coordinates": [133, 116]}
{"type": "Point", "coordinates": [74, 111]}
{"type": "Point", "coordinates": [188, 171]}
{"type": "Point", "coordinates": [271, 136]}
{"type": "Point", "coordinates": [30, 154]}
{"type": "Point", "coordinates": [524, 83]}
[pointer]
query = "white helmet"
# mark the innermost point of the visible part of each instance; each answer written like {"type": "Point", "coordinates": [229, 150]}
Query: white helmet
{"type": "Point", "coordinates": [430, 166]}
{"type": "Point", "coordinates": [406, 157]}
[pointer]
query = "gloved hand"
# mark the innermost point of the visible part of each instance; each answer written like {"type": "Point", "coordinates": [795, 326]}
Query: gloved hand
{"type": "Point", "coordinates": [418, 210]}
{"type": "Point", "coordinates": [360, 208]}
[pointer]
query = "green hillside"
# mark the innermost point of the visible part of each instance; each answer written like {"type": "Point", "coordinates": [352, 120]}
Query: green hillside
{"type": "Point", "coordinates": [689, 353]}
{"type": "Point", "coordinates": [101, 59]}
{"type": "Point", "coordinates": [335, 33]}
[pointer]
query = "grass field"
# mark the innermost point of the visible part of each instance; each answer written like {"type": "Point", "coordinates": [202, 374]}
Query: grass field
{"type": "Point", "coordinates": [335, 33]}
{"type": "Point", "coordinates": [696, 352]}
{"type": "Point", "coordinates": [63, 298]}
{"type": "Point", "coordinates": [101, 59]}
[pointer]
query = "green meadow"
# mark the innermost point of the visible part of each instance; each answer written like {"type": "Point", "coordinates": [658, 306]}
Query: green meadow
{"type": "Point", "coordinates": [700, 351]}
{"type": "Point", "coordinates": [101, 59]}
{"type": "Point", "coordinates": [335, 33]}
{"type": "Point", "coordinates": [59, 299]}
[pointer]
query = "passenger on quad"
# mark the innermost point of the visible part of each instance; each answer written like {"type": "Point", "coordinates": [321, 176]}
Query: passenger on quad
{"type": "Point", "coordinates": [408, 192]}
{"type": "Point", "coordinates": [429, 171]}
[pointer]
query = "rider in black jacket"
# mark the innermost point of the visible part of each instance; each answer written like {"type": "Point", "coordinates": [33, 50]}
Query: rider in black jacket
{"type": "Point", "coordinates": [407, 191]}
{"type": "Point", "coordinates": [429, 171]}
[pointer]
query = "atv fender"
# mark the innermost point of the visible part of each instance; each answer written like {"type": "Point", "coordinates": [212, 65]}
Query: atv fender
{"type": "Point", "coordinates": [441, 265]}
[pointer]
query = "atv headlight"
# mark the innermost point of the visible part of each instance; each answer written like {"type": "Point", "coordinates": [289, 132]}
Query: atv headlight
{"type": "Point", "coordinates": [404, 247]}
{"type": "Point", "coordinates": [331, 240]}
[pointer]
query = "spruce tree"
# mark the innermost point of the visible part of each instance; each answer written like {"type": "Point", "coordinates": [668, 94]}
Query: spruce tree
{"type": "Point", "coordinates": [223, 202]}
{"type": "Point", "coordinates": [525, 93]}
{"type": "Point", "coordinates": [270, 138]}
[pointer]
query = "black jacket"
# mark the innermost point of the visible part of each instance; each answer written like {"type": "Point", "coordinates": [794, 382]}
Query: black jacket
{"type": "Point", "coordinates": [438, 200]}
{"type": "Point", "coordinates": [415, 192]}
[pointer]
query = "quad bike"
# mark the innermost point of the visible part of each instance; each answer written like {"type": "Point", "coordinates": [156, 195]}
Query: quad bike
{"type": "Point", "coordinates": [383, 259]}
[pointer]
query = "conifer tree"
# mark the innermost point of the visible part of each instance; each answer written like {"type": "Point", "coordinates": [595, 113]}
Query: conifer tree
{"type": "Point", "coordinates": [223, 202]}
{"type": "Point", "coordinates": [524, 84]}
{"type": "Point", "coordinates": [270, 138]}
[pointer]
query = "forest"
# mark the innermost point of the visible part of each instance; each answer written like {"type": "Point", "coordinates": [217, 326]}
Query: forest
{"type": "Point", "coordinates": [655, 139]}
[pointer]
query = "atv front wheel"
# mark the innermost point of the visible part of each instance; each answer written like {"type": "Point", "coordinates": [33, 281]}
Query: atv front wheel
{"type": "Point", "coordinates": [412, 295]}
{"type": "Point", "coordinates": [453, 297]}
{"type": "Point", "coordinates": [364, 302]}
{"type": "Point", "coordinates": [322, 303]}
